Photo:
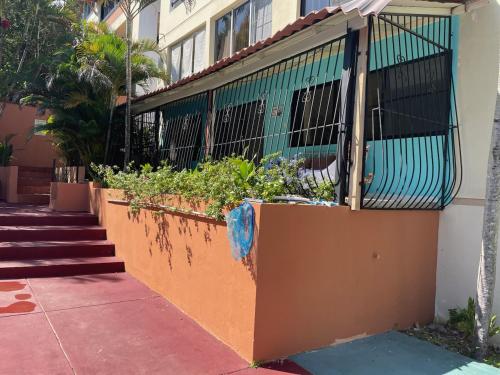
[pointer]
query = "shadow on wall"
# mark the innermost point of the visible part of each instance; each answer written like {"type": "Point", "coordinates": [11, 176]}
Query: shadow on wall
{"type": "Point", "coordinates": [195, 231]}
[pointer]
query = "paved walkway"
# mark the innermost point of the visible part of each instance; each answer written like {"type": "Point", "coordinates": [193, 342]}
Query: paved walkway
{"type": "Point", "coordinates": [106, 324]}
{"type": "Point", "coordinates": [390, 353]}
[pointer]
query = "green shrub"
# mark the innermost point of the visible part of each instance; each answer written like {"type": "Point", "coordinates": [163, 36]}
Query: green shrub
{"type": "Point", "coordinates": [220, 184]}
{"type": "Point", "coordinates": [464, 319]}
{"type": "Point", "coordinates": [6, 150]}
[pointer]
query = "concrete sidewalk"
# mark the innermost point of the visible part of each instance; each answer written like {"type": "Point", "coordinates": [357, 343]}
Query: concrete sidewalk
{"type": "Point", "coordinates": [107, 324]}
{"type": "Point", "coordinates": [387, 354]}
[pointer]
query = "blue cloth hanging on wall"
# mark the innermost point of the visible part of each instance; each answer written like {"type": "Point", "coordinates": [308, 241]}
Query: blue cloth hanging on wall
{"type": "Point", "coordinates": [240, 228]}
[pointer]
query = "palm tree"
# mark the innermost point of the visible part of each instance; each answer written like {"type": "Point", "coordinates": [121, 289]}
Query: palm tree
{"type": "Point", "coordinates": [491, 219]}
{"type": "Point", "coordinates": [78, 114]}
{"type": "Point", "coordinates": [101, 56]}
{"type": "Point", "coordinates": [82, 93]}
{"type": "Point", "coordinates": [131, 9]}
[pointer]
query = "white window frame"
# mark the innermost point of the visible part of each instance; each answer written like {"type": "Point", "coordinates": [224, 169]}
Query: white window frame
{"type": "Point", "coordinates": [180, 43]}
{"type": "Point", "coordinates": [251, 30]}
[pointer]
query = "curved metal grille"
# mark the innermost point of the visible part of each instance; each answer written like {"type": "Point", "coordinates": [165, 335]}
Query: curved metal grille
{"type": "Point", "coordinates": [411, 134]}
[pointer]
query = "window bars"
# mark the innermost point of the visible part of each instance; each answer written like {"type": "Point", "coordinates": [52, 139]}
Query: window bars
{"type": "Point", "coordinates": [301, 108]}
{"type": "Point", "coordinates": [292, 108]}
{"type": "Point", "coordinates": [412, 146]}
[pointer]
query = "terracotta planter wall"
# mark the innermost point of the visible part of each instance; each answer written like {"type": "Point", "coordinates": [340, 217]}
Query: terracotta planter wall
{"type": "Point", "coordinates": [316, 275]}
{"type": "Point", "coordinates": [69, 196]}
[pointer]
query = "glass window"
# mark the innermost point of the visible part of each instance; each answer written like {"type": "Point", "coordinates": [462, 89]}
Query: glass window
{"type": "Point", "coordinates": [187, 56]}
{"type": "Point", "coordinates": [199, 51]}
{"type": "Point", "coordinates": [107, 8]}
{"type": "Point", "coordinates": [222, 37]}
{"type": "Point", "coordinates": [241, 27]}
{"type": "Point", "coordinates": [262, 20]}
{"type": "Point", "coordinates": [315, 115]}
{"type": "Point", "coordinates": [87, 9]}
{"type": "Point", "coordinates": [246, 24]}
{"type": "Point", "coordinates": [239, 130]}
{"type": "Point", "coordinates": [309, 6]}
{"type": "Point", "coordinates": [175, 62]}
{"type": "Point", "coordinates": [409, 99]}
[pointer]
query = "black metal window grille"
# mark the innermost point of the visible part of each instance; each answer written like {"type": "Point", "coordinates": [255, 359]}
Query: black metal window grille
{"type": "Point", "coordinates": [316, 118]}
{"type": "Point", "coordinates": [411, 131]}
{"type": "Point", "coordinates": [144, 138]}
{"type": "Point", "coordinates": [240, 131]}
{"type": "Point", "coordinates": [295, 108]}
{"type": "Point", "coordinates": [407, 93]}
{"type": "Point", "coordinates": [180, 126]}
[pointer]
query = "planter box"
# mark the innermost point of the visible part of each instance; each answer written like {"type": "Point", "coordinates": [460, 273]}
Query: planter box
{"type": "Point", "coordinates": [69, 197]}
{"type": "Point", "coordinates": [316, 276]}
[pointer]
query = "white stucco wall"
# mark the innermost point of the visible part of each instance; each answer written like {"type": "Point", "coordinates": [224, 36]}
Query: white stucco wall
{"type": "Point", "coordinates": [461, 223]}
{"type": "Point", "coordinates": [177, 23]}
{"type": "Point", "coordinates": [145, 26]}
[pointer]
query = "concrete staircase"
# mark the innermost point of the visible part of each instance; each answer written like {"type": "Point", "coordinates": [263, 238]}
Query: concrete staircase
{"type": "Point", "coordinates": [33, 185]}
{"type": "Point", "coordinates": [45, 244]}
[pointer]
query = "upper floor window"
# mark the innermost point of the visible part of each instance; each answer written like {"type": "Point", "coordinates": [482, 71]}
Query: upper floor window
{"type": "Point", "coordinates": [186, 57]}
{"type": "Point", "coordinates": [242, 26]}
{"type": "Point", "coordinates": [87, 9]}
{"type": "Point", "coordinates": [174, 3]}
{"type": "Point", "coordinates": [307, 6]}
{"type": "Point", "coordinates": [107, 8]}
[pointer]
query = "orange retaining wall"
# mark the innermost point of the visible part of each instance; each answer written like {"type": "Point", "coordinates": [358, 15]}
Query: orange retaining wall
{"type": "Point", "coordinates": [329, 274]}
{"type": "Point", "coordinates": [66, 196]}
{"type": "Point", "coordinates": [316, 275]}
{"type": "Point", "coordinates": [29, 150]}
{"type": "Point", "coordinates": [187, 260]}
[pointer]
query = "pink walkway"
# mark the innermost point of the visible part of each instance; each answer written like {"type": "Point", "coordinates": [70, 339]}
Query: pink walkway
{"type": "Point", "coordinates": [106, 324]}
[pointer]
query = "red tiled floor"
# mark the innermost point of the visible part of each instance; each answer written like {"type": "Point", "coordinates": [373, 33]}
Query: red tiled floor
{"type": "Point", "coordinates": [29, 346]}
{"type": "Point", "coordinates": [147, 336]}
{"type": "Point", "coordinates": [87, 290]}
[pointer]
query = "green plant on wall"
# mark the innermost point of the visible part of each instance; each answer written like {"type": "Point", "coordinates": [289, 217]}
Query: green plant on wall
{"type": "Point", "coordinates": [6, 150]}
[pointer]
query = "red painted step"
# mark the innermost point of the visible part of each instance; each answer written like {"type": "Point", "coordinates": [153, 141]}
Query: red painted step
{"type": "Point", "coordinates": [47, 218]}
{"type": "Point", "coordinates": [59, 267]}
{"type": "Point", "coordinates": [42, 199]}
{"type": "Point", "coordinates": [52, 233]}
{"type": "Point", "coordinates": [33, 189]}
{"type": "Point", "coordinates": [55, 249]}
{"type": "Point", "coordinates": [33, 181]}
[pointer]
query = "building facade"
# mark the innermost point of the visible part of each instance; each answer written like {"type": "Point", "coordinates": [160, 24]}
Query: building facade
{"type": "Point", "coordinates": [392, 102]}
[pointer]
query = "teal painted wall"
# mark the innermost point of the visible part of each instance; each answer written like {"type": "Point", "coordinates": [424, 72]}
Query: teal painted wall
{"type": "Point", "coordinates": [412, 167]}
{"type": "Point", "coordinates": [407, 166]}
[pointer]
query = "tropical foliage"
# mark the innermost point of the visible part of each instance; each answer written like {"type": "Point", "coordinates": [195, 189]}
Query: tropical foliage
{"type": "Point", "coordinates": [6, 150]}
{"type": "Point", "coordinates": [220, 185]}
{"type": "Point", "coordinates": [35, 37]}
{"type": "Point", "coordinates": [131, 9]}
{"type": "Point", "coordinates": [82, 92]}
